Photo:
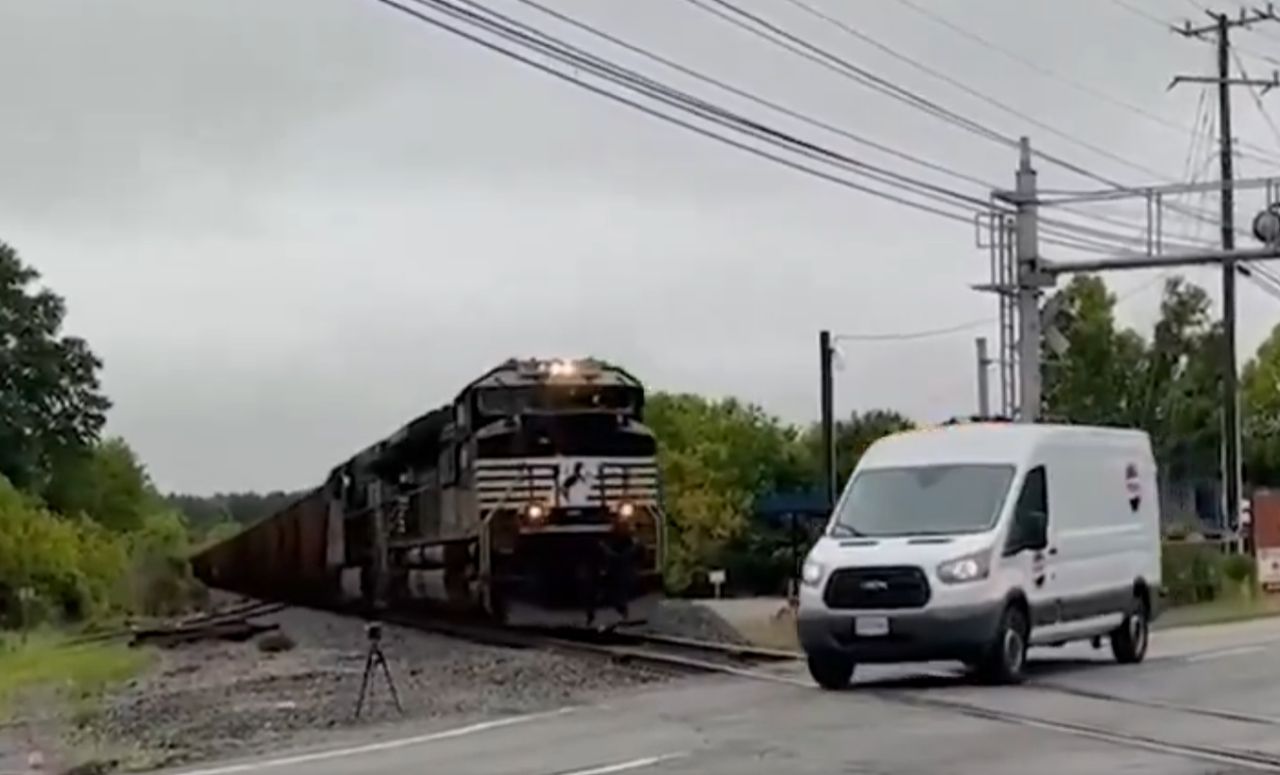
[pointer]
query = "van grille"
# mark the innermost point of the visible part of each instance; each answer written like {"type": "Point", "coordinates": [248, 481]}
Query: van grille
{"type": "Point", "coordinates": [903, 587]}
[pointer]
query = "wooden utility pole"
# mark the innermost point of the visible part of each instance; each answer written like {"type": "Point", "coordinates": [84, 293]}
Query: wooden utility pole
{"type": "Point", "coordinates": [1220, 31]}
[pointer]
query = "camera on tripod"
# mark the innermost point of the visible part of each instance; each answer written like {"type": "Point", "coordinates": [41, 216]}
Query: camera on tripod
{"type": "Point", "coordinates": [373, 631]}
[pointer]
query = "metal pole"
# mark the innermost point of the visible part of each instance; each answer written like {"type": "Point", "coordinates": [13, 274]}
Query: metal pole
{"type": "Point", "coordinates": [1028, 264]}
{"type": "Point", "coordinates": [828, 418]}
{"type": "Point", "coordinates": [984, 366]}
{"type": "Point", "coordinates": [1230, 386]}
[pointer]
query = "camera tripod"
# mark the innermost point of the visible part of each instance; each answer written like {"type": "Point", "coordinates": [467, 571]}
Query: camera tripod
{"type": "Point", "coordinates": [375, 659]}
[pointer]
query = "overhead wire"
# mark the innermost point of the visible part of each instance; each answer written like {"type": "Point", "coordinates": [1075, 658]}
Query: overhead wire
{"type": "Point", "coordinates": [1062, 233]}
{"type": "Point", "coordinates": [743, 93]}
{"type": "Point", "coordinates": [847, 69]}
{"type": "Point", "coordinates": [578, 58]}
{"type": "Point", "coordinates": [586, 64]}
{"type": "Point", "coordinates": [1257, 99]}
{"type": "Point", "coordinates": [1032, 64]}
{"type": "Point", "coordinates": [769, 31]}
{"type": "Point", "coordinates": [915, 335]}
{"type": "Point", "coordinates": [526, 34]}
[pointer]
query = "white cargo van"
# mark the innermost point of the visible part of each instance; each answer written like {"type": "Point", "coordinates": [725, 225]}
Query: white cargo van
{"type": "Point", "coordinates": [971, 542]}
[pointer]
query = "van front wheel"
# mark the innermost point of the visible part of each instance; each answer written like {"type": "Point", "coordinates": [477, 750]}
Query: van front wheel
{"type": "Point", "coordinates": [1129, 640]}
{"type": "Point", "coordinates": [831, 670]}
{"type": "Point", "coordinates": [1006, 657]}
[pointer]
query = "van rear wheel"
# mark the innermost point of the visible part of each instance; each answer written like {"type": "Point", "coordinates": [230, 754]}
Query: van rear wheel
{"type": "Point", "coordinates": [1129, 640]}
{"type": "Point", "coordinates": [831, 670]}
{"type": "Point", "coordinates": [1006, 657]}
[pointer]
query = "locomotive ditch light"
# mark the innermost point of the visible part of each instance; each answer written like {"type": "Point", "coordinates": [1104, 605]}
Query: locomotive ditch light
{"type": "Point", "coordinates": [627, 510]}
{"type": "Point", "coordinates": [535, 511]}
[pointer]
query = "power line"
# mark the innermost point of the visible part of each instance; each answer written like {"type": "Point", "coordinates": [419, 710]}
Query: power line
{"type": "Point", "coordinates": [912, 335]}
{"type": "Point", "coordinates": [1034, 65]}
{"type": "Point", "coordinates": [618, 98]}
{"type": "Point", "coordinates": [771, 32]}
{"type": "Point", "coordinates": [720, 84]}
{"type": "Point", "coordinates": [847, 69]}
{"type": "Point", "coordinates": [528, 35]}
{"type": "Point", "coordinates": [739, 92]}
{"type": "Point", "coordinates": [1139, 12]}
{"type": "Point", "coordinates": [1257, 100]}
{"type": "Point", "coordinates": [629, 79]}
{"type": "Point", "coordinates": [577, 58]}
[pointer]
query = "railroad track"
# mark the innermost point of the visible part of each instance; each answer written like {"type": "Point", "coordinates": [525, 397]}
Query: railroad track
{"type": "Point", "coordinates": [1257, 761]}
{"type": "Point", "coordinates": [685, 655]}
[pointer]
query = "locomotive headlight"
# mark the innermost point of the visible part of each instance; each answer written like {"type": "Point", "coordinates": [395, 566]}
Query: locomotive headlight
{"type": "Point", "coordinates": [627, 510]}
{"type": "Point", "coordinates": [535, 511]}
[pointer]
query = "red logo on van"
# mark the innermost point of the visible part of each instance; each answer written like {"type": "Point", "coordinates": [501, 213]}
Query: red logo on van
{"type": "Point", "coordinates": [1132, 486]}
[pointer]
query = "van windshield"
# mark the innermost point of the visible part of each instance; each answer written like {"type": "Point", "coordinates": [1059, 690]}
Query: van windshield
{"type": "Point", "coordinates": [923, 500]}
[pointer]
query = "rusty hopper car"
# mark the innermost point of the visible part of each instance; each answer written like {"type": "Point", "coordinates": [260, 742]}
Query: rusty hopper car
{"type": "Point", "coordinates": [534, 496]}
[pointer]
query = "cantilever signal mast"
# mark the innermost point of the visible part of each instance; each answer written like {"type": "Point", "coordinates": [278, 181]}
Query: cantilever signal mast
{"type": "Point", "coordinates": [1020, 274]}
{"type": "Point", "coordinates": [1220, 30]}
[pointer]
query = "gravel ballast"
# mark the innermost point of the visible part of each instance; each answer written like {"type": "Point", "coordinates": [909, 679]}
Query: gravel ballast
{"type": "Point", "coordinates": [220, 699]}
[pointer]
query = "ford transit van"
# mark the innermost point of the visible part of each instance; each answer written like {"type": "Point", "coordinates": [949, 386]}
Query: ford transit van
{"type": "Point", "coordinates": [972, 542]}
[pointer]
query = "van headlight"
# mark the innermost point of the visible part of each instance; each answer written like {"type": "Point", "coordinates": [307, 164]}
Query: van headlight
{"type": "Point", "coordinates": [971, 567]}
{"type": "Point", "coordinates": [811, 573]}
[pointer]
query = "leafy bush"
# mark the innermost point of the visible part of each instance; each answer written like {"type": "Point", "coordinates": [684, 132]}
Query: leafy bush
{"type": "Point", "coordinates": [160, 578]}
{"type": "Point", "coordinates": [53, 567]}
{"type": "Point", "coordinates": [1192, 572]}
{"type": "Point", "coordinates": [1240, 568]}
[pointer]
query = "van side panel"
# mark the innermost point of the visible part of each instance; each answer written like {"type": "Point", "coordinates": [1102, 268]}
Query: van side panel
{"type": "Point", "coordinates": [1104, 525]}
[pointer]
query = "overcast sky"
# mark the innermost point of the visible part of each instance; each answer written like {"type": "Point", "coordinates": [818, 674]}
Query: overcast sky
{"type": "Point", "coordinates": [289, 225]}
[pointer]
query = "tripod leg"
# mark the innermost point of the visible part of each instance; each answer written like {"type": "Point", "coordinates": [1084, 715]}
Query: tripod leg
{"type": "Point", "coordinates": [386, 671]}
{"type": "Point", "coordinates": [364, 682]}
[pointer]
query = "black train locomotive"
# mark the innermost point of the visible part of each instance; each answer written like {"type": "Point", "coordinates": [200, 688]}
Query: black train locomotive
{"type": "Point", "coordinates": [534, 496]}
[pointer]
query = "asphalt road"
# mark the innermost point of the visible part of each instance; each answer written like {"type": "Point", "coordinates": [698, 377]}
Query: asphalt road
{"type": "Point", "coordinates": [1200, 692]}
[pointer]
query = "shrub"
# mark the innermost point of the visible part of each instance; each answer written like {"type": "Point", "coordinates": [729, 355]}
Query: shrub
{"type": "Point", "coordinates": [1192, 571]}
{"type": "Point", "coordinates": [53, 567]}
{"type": "Point", "coordinates": [160, 578]}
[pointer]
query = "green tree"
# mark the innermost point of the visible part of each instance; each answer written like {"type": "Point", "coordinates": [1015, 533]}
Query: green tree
{"type": "Point", "coordinates": [1181, 383]}
{"type": "Point", "coordinates": [1093, 381]}
{"type": "Point", "coordinates": [1167, 386]}
{"type": "Point", "coordinates": [852, 437]}
{"type": "Point", "coordinates": [1260, 403]}
{"type": "Point", "coordinates": [716, 457]}
{"type": "Point", "coordinates": [74, 567]}
{"type": "Point", "coordinates": [104, 482]}
{"type": "Point", "coordinates": [50, 400]}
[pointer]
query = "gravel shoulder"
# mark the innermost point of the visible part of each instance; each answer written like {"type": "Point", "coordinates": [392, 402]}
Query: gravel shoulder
{"type": "Point", "coordinates": [219, 700]}
{"type": "Point", "coordinates": [216, 700]}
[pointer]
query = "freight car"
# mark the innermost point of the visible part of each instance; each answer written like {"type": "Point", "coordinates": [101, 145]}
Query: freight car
{"type": "Point", "coordinates": [534, 497]}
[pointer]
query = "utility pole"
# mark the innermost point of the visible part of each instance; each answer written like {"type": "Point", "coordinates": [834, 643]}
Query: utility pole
{"type": "Point", "coordinates": [1220, 29]}
{"type": "Point", "coordinates": [984, 368]}
{"type": "Point", "coordinates": [1029, 281]}
{"type": "Point", "coordinates": [825, 353]}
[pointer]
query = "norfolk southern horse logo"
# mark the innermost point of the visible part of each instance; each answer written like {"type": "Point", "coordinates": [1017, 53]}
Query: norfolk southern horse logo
{"type": "Point", "coordinates": [574, 484]}
{"type": "Point", "coordinates": [1133, 487]}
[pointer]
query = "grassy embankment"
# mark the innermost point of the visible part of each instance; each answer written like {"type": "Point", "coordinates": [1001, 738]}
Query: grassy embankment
{"type": "Point", "coordinates": [49, 665]}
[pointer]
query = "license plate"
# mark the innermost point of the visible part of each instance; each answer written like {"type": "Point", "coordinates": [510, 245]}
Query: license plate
{"type": "Point", "coordinates": [871, 626]}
